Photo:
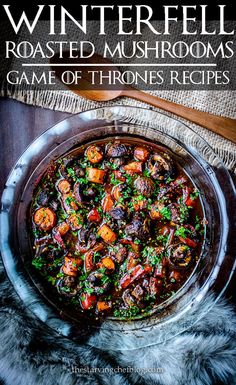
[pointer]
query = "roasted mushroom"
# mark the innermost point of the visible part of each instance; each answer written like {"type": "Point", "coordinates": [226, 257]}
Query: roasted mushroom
{"type": "Point", "coordinates": [119, 254]}
{"type": "Point", "coordinates": [144, 185]}
{"type": "Point", "coordinates": [118, 213]}
{"type": "Point", "coordinates": [172, 190]}
{"type": "Point", "coordinates": [67, 286]}
{"type": "Point", "coordinates": [138, 228]}
{"type": "Point", "coordinates": [178, 214]}
{"type": "Point", "coordinates": [99, 283]}
{"type": "Point", "coordinates": [86, 237]}
{"type": "Point", "coordinates": [138, 292]}
{"type": "Point", "coordinates": [133, 298]}
{"type": "Point", "coordinates": [43, 198]}
{"type": "Point", "coordinates": [83, 235]}
{"type": "Point", "coordinates": [180, 256]}
{"type": "Point", "coordinates": [128, 298]}
{"type": "Point", "coordinates": [78, 192]}
{"type": "Point", "coordinates": [65, 164]}
{"type": "Point", "coordinates": [79, 171]}
{"type": "Point", "coordinates": [160, 166]}
{"type": "Point", "coordinates": [116, 150]}
{"type": "Point", "coordinates": [118, 161]}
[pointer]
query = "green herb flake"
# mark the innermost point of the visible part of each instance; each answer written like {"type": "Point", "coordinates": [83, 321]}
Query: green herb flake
{"type": "Point", "coordinates": [71, 173]}
{"type": "Point", "coordinates": [146, 173]}
{"type": "Point", "coordinates": [127, 313]}
{"type": "Point", "coordinates": [184, 213]}
{"type": "Point", "coordinates": [88, 290]}
{"type": "Point", "coordinates": [38, 262]}
{"type": "Point", "coordinates": [194, 195]}
{"type": "Point", "coordinates": [162, 239]}
{"type": "Point", "coordinates": [166, 213]}
{"type": "Point", "coordinates": [113, 180]}
{"type": "Point", "coordinates": [169, 180]}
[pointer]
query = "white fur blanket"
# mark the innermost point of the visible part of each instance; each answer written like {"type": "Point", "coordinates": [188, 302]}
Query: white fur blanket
{"type": "Point", "coordinates": [31, 354]}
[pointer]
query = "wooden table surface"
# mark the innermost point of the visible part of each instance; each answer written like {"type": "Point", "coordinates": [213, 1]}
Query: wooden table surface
{"type": "Point", "coordinates": [19, 125]}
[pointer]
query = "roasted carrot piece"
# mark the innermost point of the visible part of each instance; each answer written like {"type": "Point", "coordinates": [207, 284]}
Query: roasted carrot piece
{"type": "Point", "coordinates": [155, 212]}
{"type": "Point", "coordinates": [98, 247]}
{"type": "Point", "coordinates": [94, 216]}
{"type": "Point", "coordinates": [107, 203]}
{"type": "Point", "coordinates": [132, 262]}
{"type": "Point", "coordinates": [88, 256]}
{"type": "Point", "coordinates": [88, 301]}
{"type": "Point", "coordinates": [108, 263]}
{"type": "Point", "coordinates": [45, 218]}
{"type": "Point", "coordinates": [139, 205]}
{"type": "Point", "coordinates": [70, 266]}
{"type": "Point", "coordinates": [125, 281]}
{"type": "Point", "coordinates": [88, 260]}
{"type": "Point", "coordinates": [133, 168]}
{"type": "Point", "coordinates": [75, 221]}
{"type": "Point", "coordinates": [135, 246]}
{"type": "Point", "coordinates": [64, 186]}
{"type": "Point", "coordinates": [118, 175]}
{"type": "Point", "coordinates": [104, 305]}
{"type": "Point", "coordinates": [63, 228]}
{"type": "Point", "coordinates": [107, 234]}
{"type": "Point", "coordinates": [189, 242]}
{"type": "Point", "coordinates": [94, 154]}
{"type": "Point", "coordinates": [141, 153]}
{"type": "Point", "coordinates": [95, 175]}
{"type": "Point", "coordinates": [117, 191]}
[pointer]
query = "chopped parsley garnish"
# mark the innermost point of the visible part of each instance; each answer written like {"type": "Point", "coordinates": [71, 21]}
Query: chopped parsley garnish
{"type": "Point", "coordinates": [184, 213]}
{"type": "Point", "coordinates": [166, 213]}
{"type": "Point", "coordinates": [151, 255]}
{"type": "Point", "coordinates": [113, 166]}
{"type": "Point", "coordinates": [162, 239]}
{"type": "Point", "coordinates": [183, 232]}
{"type": "Point", "coordinates": [146, 173]}
{"type": "Point", "coordinates": [88, 290]}
{"type": "Point", "coordinates": [131, 312]}
{"type": "Point", "coordinates": [83, 181]}
{"type": "Point", "coordinates": [169, 179]}
{"type": "Point", "coordinates": [113, 180]}
{"type": "Point", "coordinates": [194, 195]}
{"type": "Point", "coordinates": [71, 173]}
{"type": "Point", "coordinates": [38, 262]}
{"type": "Point", "coordinates": [129, 179]}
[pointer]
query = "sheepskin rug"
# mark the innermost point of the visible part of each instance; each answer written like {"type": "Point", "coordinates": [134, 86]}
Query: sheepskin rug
{"type": "Point", "coordinates": [31, 354]}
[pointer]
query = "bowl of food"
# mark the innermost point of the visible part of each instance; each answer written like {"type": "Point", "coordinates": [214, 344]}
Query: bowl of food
{"type": "Point", "coordinates": [116, 218]}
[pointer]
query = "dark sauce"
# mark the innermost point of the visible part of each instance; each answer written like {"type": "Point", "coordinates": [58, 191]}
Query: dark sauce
{"type": "Point", "coordinates": [117, 228]}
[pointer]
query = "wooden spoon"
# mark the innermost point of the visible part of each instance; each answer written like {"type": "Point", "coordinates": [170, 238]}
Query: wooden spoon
{"type": "Point", "coordinates": [223, 126]}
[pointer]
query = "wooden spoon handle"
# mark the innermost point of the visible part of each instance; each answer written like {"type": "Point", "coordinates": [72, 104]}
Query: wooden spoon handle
{"type": "Point", "coordinates": [225, 127]}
